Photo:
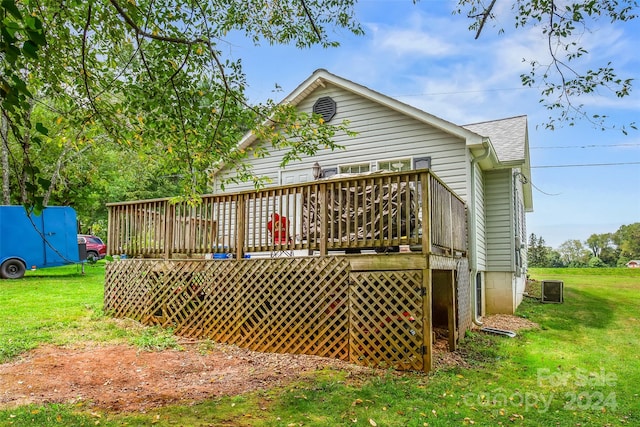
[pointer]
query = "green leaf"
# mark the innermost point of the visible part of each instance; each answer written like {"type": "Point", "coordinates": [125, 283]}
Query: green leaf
{"type": "Point", "coordinates": [12, 53]}
{"type": "Point", "coordinates": [40, 128]}
{"type": "Point", "coordinates": [10, 6]}
{"type": "Point", "coordinates": [45, 183]}
{"type": "Point", "coordinates": [30, 49]}
{"type": "Point", "coordinates": [37, 35]}
{"type": "Point", "coordinates": [38, 205]}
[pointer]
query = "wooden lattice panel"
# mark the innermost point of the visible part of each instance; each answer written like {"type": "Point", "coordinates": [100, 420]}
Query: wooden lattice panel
{"type": "Point", "coordinates": [306, 305]}
{"type": "Point", "coordinates": [125, 293]}
{"type": "Point", "coordinates": [463, 289]}
{"type": "Point", "coordinates": [284, 305]}
{"type": "Point", "coordinates": [296, 305]}
{"type": "Point", "coordinates": [387, 319]}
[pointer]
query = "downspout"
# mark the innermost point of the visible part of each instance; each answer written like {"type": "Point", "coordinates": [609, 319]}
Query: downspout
{"type": "Point", "coordinates": [473, 241]}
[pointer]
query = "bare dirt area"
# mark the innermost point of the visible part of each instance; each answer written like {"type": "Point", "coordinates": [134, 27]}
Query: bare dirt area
{"type": "Point", "coordinates": [508, 322]}
{"type": "Point", "coordinates": [125, 378]}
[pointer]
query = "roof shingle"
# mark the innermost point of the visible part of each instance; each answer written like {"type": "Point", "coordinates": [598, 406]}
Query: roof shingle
{"type": "Point", "coordinates": [506, 135]}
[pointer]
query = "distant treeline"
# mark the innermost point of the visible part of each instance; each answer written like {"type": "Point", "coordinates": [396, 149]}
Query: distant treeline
{"type": "Point", "coordinates": [599, 250]}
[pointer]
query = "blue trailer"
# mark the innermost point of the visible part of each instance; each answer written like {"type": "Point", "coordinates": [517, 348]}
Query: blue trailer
{"type": "Point", "coordinates": [30, 241]}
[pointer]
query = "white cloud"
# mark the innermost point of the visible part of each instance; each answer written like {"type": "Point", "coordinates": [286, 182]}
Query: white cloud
{"type": "Point", "coordinates": [420, 35]}
{"type": "Point", "coordinates": [409, 42]}
{"type": "Point", "coordinates": [433, 63]}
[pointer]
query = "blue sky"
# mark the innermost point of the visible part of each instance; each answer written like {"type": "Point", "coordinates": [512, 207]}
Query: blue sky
{"type": "Point", "coordinates": [424, 56]}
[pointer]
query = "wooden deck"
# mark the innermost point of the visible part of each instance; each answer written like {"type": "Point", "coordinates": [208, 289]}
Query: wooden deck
{"type": "Point", "coordinates": [384, 262]}
{"type": "Point", "coordinates": [377, 212]}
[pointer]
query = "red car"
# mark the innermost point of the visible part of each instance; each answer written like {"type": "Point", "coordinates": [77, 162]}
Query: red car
{"type": "Point", "coordinates": [96, 248]}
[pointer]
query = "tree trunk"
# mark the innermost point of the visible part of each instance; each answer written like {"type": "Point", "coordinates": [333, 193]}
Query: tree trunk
{"type": "Point", "coordinates": [4, 153]}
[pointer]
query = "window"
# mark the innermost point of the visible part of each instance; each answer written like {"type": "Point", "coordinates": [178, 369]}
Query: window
{"type": "Point", "coordinates": [355, 168]}
{"type": "Point", "coordinates": [422, 162]}
{"type": "Point", "coordinates": [94, 239]}
{"type": "Point", "coordinates": [396, 165]}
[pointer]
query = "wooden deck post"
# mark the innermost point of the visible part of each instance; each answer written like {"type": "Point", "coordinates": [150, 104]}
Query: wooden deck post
{"type": "Point", "coordinates": [427, 324]}
{"type": "Point", "coordinates": [240, 226]}
{"type": "Point", "coordinates": [451, 303]}
{"type": "Point", "coordinates": [426, 213]}
{"type": "Point", "coordinates": [426, 273]}
{"type": "Point", "coordinates": [110, 233]}
{"type": "Point", "coordinates": [453, 327]}
{"type": "Point", "coordinates": [322, 204]}
{"type": "Point", "coordinates": [169, 218]}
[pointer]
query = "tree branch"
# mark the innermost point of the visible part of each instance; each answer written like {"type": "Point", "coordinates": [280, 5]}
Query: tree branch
{"type": "Point", "coordinates": [174, 40]}
{"type": "Point", "coordinates": [486, 14]}
{"type": "Point", "coordinates": [312, 21]}
{"type": "Point", "coordinates": [146, 34]}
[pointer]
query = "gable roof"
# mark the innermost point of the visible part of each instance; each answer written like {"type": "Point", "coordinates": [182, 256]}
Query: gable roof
{"type": "Point", "coordinates": [506, 136]}
{"type": "Point", "coordinates": [321, 77]}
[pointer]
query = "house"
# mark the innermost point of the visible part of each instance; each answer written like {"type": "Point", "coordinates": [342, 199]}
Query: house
{"type": "Point", "coordinates": [486, 164]}
{"type": "Point", "coordinates": [634, 263]}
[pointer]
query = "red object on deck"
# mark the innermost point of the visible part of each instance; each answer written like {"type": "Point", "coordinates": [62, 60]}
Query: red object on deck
{"type": "Point", "coordinates": [278, 228]}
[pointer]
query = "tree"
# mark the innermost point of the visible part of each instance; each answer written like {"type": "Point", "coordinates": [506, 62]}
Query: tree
{"type": "Point", "coordinates": [627, 238]}
{"type": "Point", "coordinates": [150, 75]}
{"type": "Point", "coordinates": [565, 77]}
{"type": "Point", "coordinates": [597, 243]}
{"type": "Point", "coordinates": [537, 251]}
{"type": "Point", "coordinates": [532, 253]}
{"type": "Point", "coordinates": [573, 253]}
{"type": "Point", "coordinates": [554, 260]}
{"type": "Point", "coordinates": [595, 262]}
{"type": "Point", "coordinates": [610, 256]}
{"type": "Point", "coordinates": [4, 158]}
{"type": "Point", "coordinates": [153, 75]}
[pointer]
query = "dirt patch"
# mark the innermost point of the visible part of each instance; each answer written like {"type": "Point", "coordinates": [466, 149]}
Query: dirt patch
{"type": "Point", "coordinates": [508, 322]}
{"type": "Point", "coordinates": [443, 358]}
{"type": "Point", "coordinates": [123, 378]}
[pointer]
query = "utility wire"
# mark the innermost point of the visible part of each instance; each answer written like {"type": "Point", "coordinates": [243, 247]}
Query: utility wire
{"type": "Point", "coordinates": [544, 192]}
{"type": "Point", "coordinates": [585, 165]}
{"type": "Point", "coordinates": [586, 146]}
{"type": "Point", "coordinates": [461, 92]}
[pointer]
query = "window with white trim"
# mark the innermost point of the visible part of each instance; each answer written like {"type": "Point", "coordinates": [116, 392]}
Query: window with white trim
{"type": "Point", "coordinates": [396, 165]}
{"type": "Point", "coordinates": [355, 168]}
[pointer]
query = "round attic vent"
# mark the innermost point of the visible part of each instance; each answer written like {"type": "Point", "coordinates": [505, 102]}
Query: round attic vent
{"type": "Point", "coordinates": [326, 107]}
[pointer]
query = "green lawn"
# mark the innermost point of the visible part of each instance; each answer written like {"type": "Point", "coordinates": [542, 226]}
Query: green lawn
{"type": "Point", "coordinates": [49, 306]}
{"type": "Point", "coordinates": [581, 368]}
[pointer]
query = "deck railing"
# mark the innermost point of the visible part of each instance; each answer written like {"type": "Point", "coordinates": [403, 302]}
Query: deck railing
{"type": "Point", "coordinates": [376, 211]}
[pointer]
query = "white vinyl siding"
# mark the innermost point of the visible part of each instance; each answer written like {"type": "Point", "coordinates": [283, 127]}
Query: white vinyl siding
{"type": "Point", "coordinates": [520, 224]}
{"type": "Point", "coordinates": [481, 243]}
{"type": "Point", "coordinates": [499, 220]}
{"type": "Point", "coordinates": [382, 133]}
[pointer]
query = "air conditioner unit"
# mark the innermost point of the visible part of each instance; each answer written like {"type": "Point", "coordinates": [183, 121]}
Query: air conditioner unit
{"type": "Point", "coordinates": [552, 291]}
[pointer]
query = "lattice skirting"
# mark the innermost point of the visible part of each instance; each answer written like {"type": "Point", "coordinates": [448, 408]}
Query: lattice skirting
{"type": "Point", "coordinates": [463, 288]}
{"type": "Point", "coordinates": [310, 305]}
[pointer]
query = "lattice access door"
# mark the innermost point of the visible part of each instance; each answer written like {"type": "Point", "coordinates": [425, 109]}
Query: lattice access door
{"type": "Point", "coordinates": [386, 319]}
